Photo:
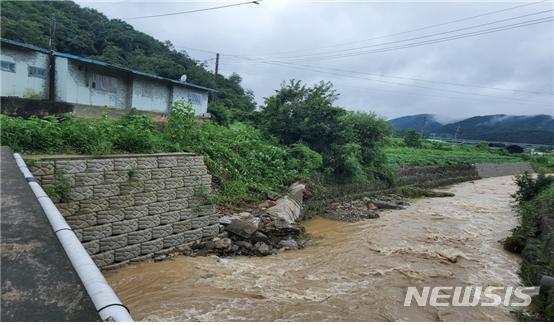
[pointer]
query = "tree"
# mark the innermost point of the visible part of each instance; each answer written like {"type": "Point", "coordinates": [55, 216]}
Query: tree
{"type": "Point", "coordinates": [351, 144]}
{"type": "Point", "coordinates": [297, 113]}
{"type": "Point", "coordinates": [412, 138]}
{"type": "Point", "coordinates": [370, 132]}
{"type": "Point", "coordinates": [220, 114]}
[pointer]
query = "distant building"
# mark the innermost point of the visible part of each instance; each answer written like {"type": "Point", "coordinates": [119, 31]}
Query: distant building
{"type": "Point", "coordinates": [33, 73]}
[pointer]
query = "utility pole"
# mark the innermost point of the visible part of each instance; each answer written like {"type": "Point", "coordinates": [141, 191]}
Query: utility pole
{"type": "Point", "coordinates": [52, 33]}
{"type": "Point", "coordinates": [215, 75]}
{"type": "Point", "coordinates": [456, 133]}
{"type": "Point", "coordinates": [216, 65]}
{"type": "Point", "coordinates": [52, 61]}
{"type": "Point", "coordinates": [423, 125]}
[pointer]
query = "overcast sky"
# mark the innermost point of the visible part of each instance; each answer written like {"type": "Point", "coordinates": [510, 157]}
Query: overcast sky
{"type": "Point", "coordinates": [307, 37]}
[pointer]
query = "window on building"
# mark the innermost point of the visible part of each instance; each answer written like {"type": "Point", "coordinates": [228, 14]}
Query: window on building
{"type": "Point", "coordinates": [194, 99]}
{"type": "Point", "coordinates": [103, 82]}
{"type": "Point", "coordinates": [37, 72]}
{"type": "Point", "coordinates": [8, 66]}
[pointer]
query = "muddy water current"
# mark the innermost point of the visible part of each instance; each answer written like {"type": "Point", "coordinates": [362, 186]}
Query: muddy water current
{"type": "Point", "coordinates": [349, 272]}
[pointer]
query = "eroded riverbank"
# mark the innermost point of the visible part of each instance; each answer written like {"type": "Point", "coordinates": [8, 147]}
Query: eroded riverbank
{"type": "Point", "coordinates": [350, 272]}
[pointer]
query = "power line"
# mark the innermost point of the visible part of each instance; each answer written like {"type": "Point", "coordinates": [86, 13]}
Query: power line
{"type": "Point", "coordinates": [414, 38]}
{"type": "Point", "coordinates": [416, 29]}
{"type": "Point", "coordinates": [323, 70]}
{"type": "Point", "coordinates": [498, 28]}
{"type": "Point", "coordinates": [196, 10]}
{"type": "Point", "coordinates": [439, 40]}
{"type": "Point", "coordinates": [433, 95]}
{"type": "Point", "coordinates": [413, 79]}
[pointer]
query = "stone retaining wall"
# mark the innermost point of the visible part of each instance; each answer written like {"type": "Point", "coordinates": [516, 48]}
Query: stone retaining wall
{"type": "Point", "coordinates": [127, 208]}
{"type": "Point", "coordinates": [430, 176]}
{"type": "Point", "coordinates": [495, 170]}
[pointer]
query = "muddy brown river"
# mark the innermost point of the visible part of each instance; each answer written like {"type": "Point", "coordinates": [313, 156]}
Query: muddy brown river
{"type": "Point", "coordinates": [351, 272]}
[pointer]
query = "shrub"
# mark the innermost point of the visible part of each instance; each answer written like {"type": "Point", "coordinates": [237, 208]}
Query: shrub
{"type": "Point", "coordinates": [60, 190]}
{"type": "Point", "coordinates": [412, 139]}
{"type": "Point", "coordinates": [181, 126]}
{"type": "Point", "coordinates": [529, 187]}
{"type": "Point", "coordinates": [137, 133]}
{"type": "Point", "coordinates": [88, 136]}
{"type": "Point", "coordinates": [246, 166]}
{"type": "Point", "coordinates": [303, 160]}
{"type": "Point", "coordinates": [31, 135]}
{"type": "Point", "coordinates": [220, 114]}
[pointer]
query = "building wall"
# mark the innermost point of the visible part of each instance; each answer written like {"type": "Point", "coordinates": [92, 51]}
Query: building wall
{"type": "Point", "coordinates": [86, 84]}
{"type": "Point", "coordinates": [152, 96]}
{"type": "Point", "coordinates": [126, 208]}
{"type": "Point", "coordinates": [198, 100]}
{"type": "Point", "coordinates": [93, 85]}
{"type": "Point", "coordinates": [19, 83]}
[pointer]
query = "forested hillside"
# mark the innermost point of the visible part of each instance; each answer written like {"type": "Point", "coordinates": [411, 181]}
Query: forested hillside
{"type": "Point", "coordinates": [88, 33]}
{"type": "Point", "coordinates": [526, 128]}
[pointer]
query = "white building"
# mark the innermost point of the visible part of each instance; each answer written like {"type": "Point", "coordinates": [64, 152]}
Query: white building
{"type": "Point", "coordinates": [34, 73]}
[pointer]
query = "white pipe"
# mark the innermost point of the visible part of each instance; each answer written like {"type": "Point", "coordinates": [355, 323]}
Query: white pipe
{"type": "Point", "coordinates": [103, 297]}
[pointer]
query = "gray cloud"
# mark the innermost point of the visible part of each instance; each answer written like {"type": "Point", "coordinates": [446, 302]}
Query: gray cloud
{"type": "Point", "coordinates": [520, 58]}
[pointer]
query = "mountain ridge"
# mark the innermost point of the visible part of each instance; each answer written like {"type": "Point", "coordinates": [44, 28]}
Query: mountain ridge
{"type": "Point", "coordinates": [538, 129]}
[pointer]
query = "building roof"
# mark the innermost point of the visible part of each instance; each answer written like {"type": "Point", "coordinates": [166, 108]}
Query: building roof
{"type": "Point", "coordinates": [104, 64]}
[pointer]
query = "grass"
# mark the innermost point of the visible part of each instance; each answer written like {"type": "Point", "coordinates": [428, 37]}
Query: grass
{"type": "Point", "coordinates": [544, 164]}
{"type": "Point", "coordinates": [440, 153]}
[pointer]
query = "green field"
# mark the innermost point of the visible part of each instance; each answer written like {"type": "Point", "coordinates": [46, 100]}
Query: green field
{"type": "Point", "coordinates": [440, 153]}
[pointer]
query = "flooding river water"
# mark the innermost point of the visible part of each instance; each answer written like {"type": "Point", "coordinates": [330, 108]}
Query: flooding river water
{"type": "Point", "coordinates": [351, 272]}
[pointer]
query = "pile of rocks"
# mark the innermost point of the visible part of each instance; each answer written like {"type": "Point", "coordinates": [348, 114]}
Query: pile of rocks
{"type": "Point", "coordinates": [365, 208]}
{"type": "Point", "coordinates": [272, 227]}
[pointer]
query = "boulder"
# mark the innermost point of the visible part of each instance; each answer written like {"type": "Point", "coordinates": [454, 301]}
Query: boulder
{"type": "Point", "coordinates": [226, 220]}
{"type": "Point", "coordinates": [288, 244]}
{"type": "Point", "coordinates": [297, 192]}
{"type": "Point", "coordinates": [241, 228]}
{"type": "Point", "coordinates": [285, 210]}
{"type": "Point", "coordinates": [255, 221]}
{"type": "Point", "coordinates": [260, 237]}
{"type": "Point", "coordinates": [244, 244]}
{"type": "Point", "coordinates": [371, 215]}
{"type": "Point", "coordinates": [372, 206]}
{"type": "Point", "coordinates": [244, 215]}
{"type": "Point", "coordinates": [386, 205]}
{"type": "Point", "coordinates": [262, 248]}
{"type": "Point", "coordinates": [223, 244]}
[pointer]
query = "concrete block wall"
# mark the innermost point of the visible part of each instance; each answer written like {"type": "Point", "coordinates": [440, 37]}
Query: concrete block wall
{"type": "Point", "coordinates": [127, 208]}
{"type": "Point", "coordinates": [495, 170]}
{"type": "Point", "coordinates": [430, 176]}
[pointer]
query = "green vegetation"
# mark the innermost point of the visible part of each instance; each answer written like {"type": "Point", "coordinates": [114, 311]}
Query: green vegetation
{"type": "Point", "coordinates": [245, 165]}
{"type": "Point", "coordinates": [534, 238]}
{"type": "Point", "coordinates": [60, 190]}
{"type": "Point", "coordinates": [543, 164]}
{"type": "Point", "coordinates": [441, 153]}
{"type": "Point", "coordinates": [300, 134]}
{"type": "Point", "coordinates": [412, 139]}
{"type": "Point", "coordinates": [350, 143]}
